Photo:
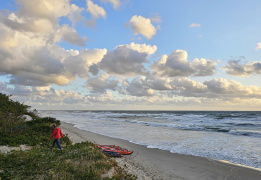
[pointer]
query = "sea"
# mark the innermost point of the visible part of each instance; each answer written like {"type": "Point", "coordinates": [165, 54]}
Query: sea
{"type": "Point", "coordinates": [233, 136]}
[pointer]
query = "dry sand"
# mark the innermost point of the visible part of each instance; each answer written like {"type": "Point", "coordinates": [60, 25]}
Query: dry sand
{"type": "Point", "coordinates": [159, 164]}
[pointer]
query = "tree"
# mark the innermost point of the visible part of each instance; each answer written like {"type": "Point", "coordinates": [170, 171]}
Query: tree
{"type": "Point", "coordinates": [11, 114]}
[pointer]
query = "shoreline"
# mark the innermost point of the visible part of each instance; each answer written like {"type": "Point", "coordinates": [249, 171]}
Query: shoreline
{"type": "Point", "coordinates": [148, 163]}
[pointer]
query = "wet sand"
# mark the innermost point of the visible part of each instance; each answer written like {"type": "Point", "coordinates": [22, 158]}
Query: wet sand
{"type": "Point", "coordinates": [158, 164]}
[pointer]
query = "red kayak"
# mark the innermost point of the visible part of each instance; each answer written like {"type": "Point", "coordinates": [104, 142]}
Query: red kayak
{"type": "Point", "coordinates": [113, 148]}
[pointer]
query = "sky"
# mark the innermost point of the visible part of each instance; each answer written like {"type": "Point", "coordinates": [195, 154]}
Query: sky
{"type": "Point", "coordinates": [131, 54]}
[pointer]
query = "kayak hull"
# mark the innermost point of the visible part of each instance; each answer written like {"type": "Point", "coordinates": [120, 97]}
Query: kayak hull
{"type": "Point", "coordinates": [113, 148]}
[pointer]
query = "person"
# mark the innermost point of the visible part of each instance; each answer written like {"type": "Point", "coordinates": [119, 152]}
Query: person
{"type": "Point", "coordinates": [57, 136]}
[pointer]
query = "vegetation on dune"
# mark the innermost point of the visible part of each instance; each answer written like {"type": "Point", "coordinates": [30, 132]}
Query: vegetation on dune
{"type": "Point", "coordinates": [14, 130]}
{"type": "Point", "coordinates": [78, 161]}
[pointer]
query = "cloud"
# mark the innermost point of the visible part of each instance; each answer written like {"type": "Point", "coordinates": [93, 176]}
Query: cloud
{"type": "Point", "coordinates": [30, 54]}
{"type": "Point", "coordinates": [27, 24]}
{"type": "Point", "coordinates": [258, 46]}
{"type": "Point", "coordinates": [157, 83]}
{"type": "Point", "coordinates": [73, 52]}
{"type": "Point", "coordinates": [203, 67]}
{"type": "Point", "coordinates": [35, 60]}
{"type": "Point", "coordinates": [37, 68]}
{"type": "Point", "coordinates": [38, 19]}
{"type": "Point", "coordinates": [177, 64]}
{"type": "Point", "coordinates": [115, 3]}
{"type": "Point", "coordinates": [127, 59]}
{"type": "Point", "coordinates": [237, 69]}
{"type": "Point", "coordinates": [215, 88]}
{"type": "Point", "coordinates": [136, 88]}
{"type": "Point", "coordinates": [156, 18]}
{"type": "Point", "coordinates": [96, 11]}
{"type": "Point", "coordinates": [141, 48]}
{"type": "Point", "coordinates": [80, 65]}
{"type": "Point", "coordinates": [221, 88]}
{"type": "Point", "coordinates": [42, 15]}
{"type": "Point", "coordinates": [141, 25]}
{"type": "Point", "coordinates": [94, 69]}
{"type": "Point", "coordinates": [160, 87]}
{"type": "Point", "coordinates": [101, 84]}
{"type": "Point", "coordinates": [70, 35]}
{"type": "Point", "coordinates": [184, 87]}
{"type": "Point", "coordinates": [193, 25]}
{"type": "Point", "coordinates": [49, 9]}
{"type": "Point", "coordinates": [142, 90]}
{"type": "Point", "coordinates": [146, 86]}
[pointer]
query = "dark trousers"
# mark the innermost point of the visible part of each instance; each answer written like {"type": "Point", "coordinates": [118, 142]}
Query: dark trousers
{"type": "Point", "coordinates": [57, 141]}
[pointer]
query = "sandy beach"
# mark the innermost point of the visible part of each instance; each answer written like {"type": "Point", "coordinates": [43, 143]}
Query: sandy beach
{"type": "Point", "coordinates": [158, 164]}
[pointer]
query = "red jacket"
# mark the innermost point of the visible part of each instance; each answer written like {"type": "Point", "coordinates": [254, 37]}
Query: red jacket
{"type": "Point", "coordinates": [57, 133]}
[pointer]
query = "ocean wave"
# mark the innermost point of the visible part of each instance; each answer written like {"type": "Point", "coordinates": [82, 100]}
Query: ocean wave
{"type": "Point", "coordinates": [245, 133]}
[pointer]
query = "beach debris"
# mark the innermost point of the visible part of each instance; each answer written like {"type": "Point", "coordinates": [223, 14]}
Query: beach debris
{"type": "Point", "coordinates": [113, 150]}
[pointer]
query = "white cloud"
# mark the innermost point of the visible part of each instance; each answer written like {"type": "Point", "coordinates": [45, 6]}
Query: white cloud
{"type": "Point", "coordinates": [70, 35]}
{"type": "Point", "coordinates": [157, 83]}
{"type": "Point", "coordinates": [156, 86]}
{"type": "Point", "coordinates": [29, 52]}
{"type": "Point", "coordinates": [258, 46]}
{"type": "Point", "coordinates": [35, 60]}
{"type": "Point", "coordinates": [136, 88]}
{"type": "Point", "coordinates": [34, 65]}
{"type": "Point", "coordinates": [170, 88]}
{"type": "Point", "coordinates": [80, 65]}
{"type": "Point", "coordinates": [141, 48]}
{"type": "Point", "coordinates": [184, 87]}
{"type": "Point", "coordinates": [203, 67]}
{"type": "Point", "coordinates": [42, 15]}
{"type": "Point", "coordinates": [141, 25]}
{"type": "Point", "coordinates": [146, 91]}
{"type": "Point", "coordinates": [95, 10]}
{"type": "Point", "coordinates": [48, 9]}
{"type": "Point", "coordinates": [115, 3]}
{"type": "Point", "coordinates": [193, 25]}
{"type": "Point", "coordinates": [223, 89]}
{"type": "Point", "coordinates": [101, 84]}
{"type": "Point", "coordinates": [27, 24]}
{"type": "Point", "coordinates": [127, 59]}
{"type": "Point", "coordinates": [73, 52]}
{"type": "Point", "coordinates": [177, 64]}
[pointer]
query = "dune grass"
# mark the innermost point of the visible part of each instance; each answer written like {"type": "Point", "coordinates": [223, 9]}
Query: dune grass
{"type": "Point", "coordinates": [78, 161]}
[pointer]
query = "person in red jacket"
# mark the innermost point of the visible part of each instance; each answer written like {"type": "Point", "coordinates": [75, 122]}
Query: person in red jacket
{"type": "Point", "coordinates": [57, 135]}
